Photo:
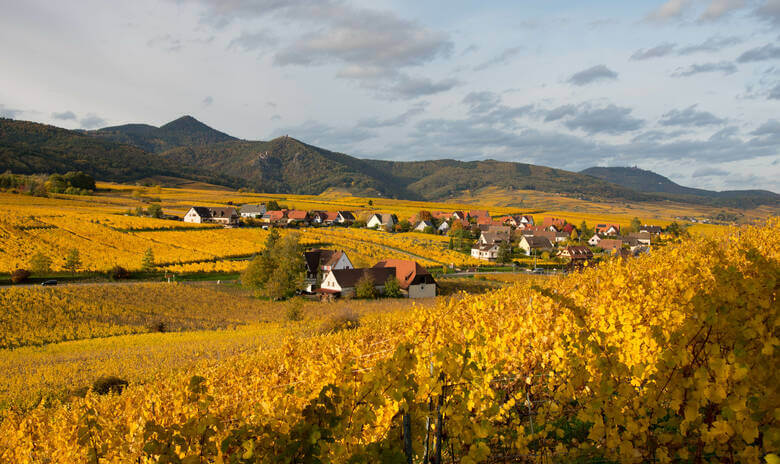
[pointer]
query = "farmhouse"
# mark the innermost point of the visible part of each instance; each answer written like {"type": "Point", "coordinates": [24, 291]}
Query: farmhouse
{"type": "Point", "coordinates": [422, 225]}
{"type": "Point", "coordinates": [576, 253]}
{"type": "Point", "coordinates": [644, 238]}
{"type": "Point", "coordinates": [219, 215]}
{"type": "Point", "coordinates": [298, 217]}
{"type": "Point", "coordinates": [345, 217]}
{"type": "Point", "coordinates": [532, 243]}
{"type": "Point", "coordinates": [382, 220]}
{"type": "Point", "coordinates": [610, 244]}
{"type": "Point", "coordinates": [342, 282]}
{"type": "Point", "coordinates": [443, 228]}
{"type": "Point", "coordinates": [653, 230]}
{"type": "Point", "coordinates": [415, 280]}
{"type": "Point", "coordinates": [495, 234]}
{"type": "Point", "coordinates": [608, 229]}
{"type": "Point", "coordinates": [324, 217]}
{"type": "Point", "coordinates": [485, 252]}
{"type": "Point", "coordinates": [274, 216]}
{"type": "Point", "coordinates": [253, 211]}
{"type": "Point", "coordinates": [319, 262]}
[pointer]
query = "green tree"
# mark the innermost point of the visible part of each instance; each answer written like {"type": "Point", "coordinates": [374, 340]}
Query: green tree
{"type": "Point", "coordinates": [155, 210]}
{"type": "Point", "coordinates": [40, 263]}
{"type": "Point", "coordinates": [404, 226]}
{"type": "Point", "coordinates": [636, 224]}
{"type": "Point", "coordinates": [259, 270]}
{"type": "Point", "coordinates": [504, 252]}
{"type": "Point", "coordinates": [674, 229]}
{"type": "Point", "coordinates": [147, 263]}
{"type": "Point", "coordinates": [272, 206]}
{"type": "Point", "coordinates": [370, 202]}
{"type": "Point", "coordinates": [72, 261]}
{"type": "Point", "coordinates": [429, 230]}
{"type": "Point", "coordinates": [393, 288]}
{"type": "Point", "coordinates": [585, 232]}
{"type": "Point", "coordinates": [366, 287]}
{"type": "Point", "coordinates": [288, 274]}
{"type": "Point", "coordinates": [574, 235]}
{"type": "Point", "coordinates": [80, 180]}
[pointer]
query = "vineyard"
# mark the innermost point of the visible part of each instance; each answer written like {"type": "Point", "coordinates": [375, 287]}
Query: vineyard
{"type": "Point", "coordinates": [665, 358]}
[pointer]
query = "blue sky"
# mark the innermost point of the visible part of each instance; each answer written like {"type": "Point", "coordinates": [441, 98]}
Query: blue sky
{"type": "Point", "coordinates": [687, 88]}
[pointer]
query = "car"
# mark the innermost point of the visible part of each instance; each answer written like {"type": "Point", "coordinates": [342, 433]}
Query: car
{"type": "Point", "coordinates": [538, 270]}
{"type": "Point", "coordinates": [46, 283]}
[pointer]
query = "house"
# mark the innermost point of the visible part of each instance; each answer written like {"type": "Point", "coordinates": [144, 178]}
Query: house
{"type": "Point", "coordinates": [608, 229]}
{"type": "Point", "coordinates": [345, 217]}
{"type": "Point", "coordinates": [535, 244]}
{"type": "Point", "coordinates": [460, 215]}
{"type": "Point", "coordinates": [527, 220]}
{"type": "Point", "coordinates": [576, 253]}
{"type": "Point", "coordinates": [382, 220]}
{"type": "Point", "coordinates": [441, 215]}
{"type": "Point", "coordinates": [652, 230]}
{"type": "Point", "coordinates": [594, 241]}
{"type": "Point", "coordinates": [443, 228]}
{"type": "Point", "coordinates": [644, 238]}
{"type": "Point", "coordinates": [610, 244]}
{"type": "Point", "coordinates": [495, 234]}
{"type": "Point", "coordinates": [415, 280]}
{"type": "Point", "coordinates": [218, 215]}
{"type": "Point", "coordinates": [510, 221]}
{"type": "Point", "coordinates": [479, 214]}
{"type": "Point", "coordinates": [342, 282]}
{"type": "Point", "coordinates": [422, 225]}
{"type": "Point", "coordinates": [274, 216]}
{"type": "Point", "coordinates": [567, 229]}
{"type": "Point", "coordinates": [298, 216]}
{"type": "Point", "coordinates": [322, 261]}
{"type": "Point", "coordinates": [554, 222]}
{"type": "Point", "coordinates": [323, 217]}
{"type": "Point", "coordinates": [253, 211]}
{"type": "Point", "coordinates": [485, 252]}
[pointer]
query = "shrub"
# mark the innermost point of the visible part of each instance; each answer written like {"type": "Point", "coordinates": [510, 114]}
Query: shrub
{"type": "Point", "coordinates": [118, 272]}
{"type": "Point", "coordinates": [346, 319]}
{"type": "Point", "coordinates": [393, 288]}
{"type": "Point", "coordinates": [159, 326]}
{"type": "Point", "coordinates": [365, 288]}
{"type": "Point", "coordinates": [19, 276]}
{"type": "Point", "coordinates": [294, 311]}
{"type": "Point", "coordinates": [109, 384]}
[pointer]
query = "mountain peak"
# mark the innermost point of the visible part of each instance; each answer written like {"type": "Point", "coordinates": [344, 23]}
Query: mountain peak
{"type": "Point", "coordinates": [186, 122]}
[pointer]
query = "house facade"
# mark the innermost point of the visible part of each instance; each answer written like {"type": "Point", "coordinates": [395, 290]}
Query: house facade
{"type": "Point", "coordinates": [382, 220]}
{"type": "Point", "coordinates": [415, 280]}
{"type": "Point", "coordinates": [422, 225]}
{"type": "Point", "coordinates": [253, 211]}
{"type": "Point", "coordinates": [342, 282]}
{"type": "Point", "coordinates": [533, 243]}
{"type": "Point", "coordinates": [320, 262]}
{"type": "Point", "coordinates": [485, 252]}
{"type": "Point", "coordinates": [216, 215]}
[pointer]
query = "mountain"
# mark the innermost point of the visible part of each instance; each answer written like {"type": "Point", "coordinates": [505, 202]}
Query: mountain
{"type": "Point", "coordinates": [185, 131]}
{"type": "Point", "coordinates": [187, 149]}
{"type": "Point", "coordinates": [642, 180]}
{"type": "Point", "coordinates": [31, 148]}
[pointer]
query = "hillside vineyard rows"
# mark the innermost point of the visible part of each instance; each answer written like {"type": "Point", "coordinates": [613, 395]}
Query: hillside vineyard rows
{"type": "Point", "coordinates": [670, 357]}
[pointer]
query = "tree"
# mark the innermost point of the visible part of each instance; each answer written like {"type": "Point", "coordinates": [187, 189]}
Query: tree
{"type": "Point", "coordinates": [584, 231]}
{"type": "Point", "coordinates": [259, 270]}
{"type": "Point", "coordinates": [40, 263]}
{"type": "Point", "coordinates": [370, 202]}
{"type": "Point", "coordinates": [424, 215]}
{"type": "Point", "coordinates": [147, 263]}
{"type": "Point", "coordinates": [574, 235]}
{"type": "Point", "coordinates": [155, 210]}
{"type": "Point", "coordinates": [272, 205]}
{"type": "Point", "coordinates": [429, 230]}
{"type": "Point", "coordinates": [365, 287]}
{"type": "Point", "coordinates": [80, 180]}
{"type": "Point", "coordinates": [19, 276]}
{"type": "Point", "coordinates": [288, 273]}
{"type": "Point", "coordinates": [636, 224]}
{"type": "Point", "coordinates": [404, 226]}
{"type": "Point", "coordinates": [393, 288]}
{"type": "Point", "coordinates": [674, 229]}
{"type": "Point", "coordinates": [504, 252]}
{"type": "Point", "coordinates": [72, 261]}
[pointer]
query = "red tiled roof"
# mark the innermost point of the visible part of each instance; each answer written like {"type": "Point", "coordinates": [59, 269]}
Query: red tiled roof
{"type": "Point", "coordinates": [406, 271]}
{"type": "Point", "coordinates": [297, 214]}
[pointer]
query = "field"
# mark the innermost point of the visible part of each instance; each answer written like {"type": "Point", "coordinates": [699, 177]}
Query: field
{"type": "Point", "coordinates": [660, 358]}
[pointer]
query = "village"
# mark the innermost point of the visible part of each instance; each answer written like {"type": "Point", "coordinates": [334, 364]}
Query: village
{"type": "Point", "coordinates": [497, 241]}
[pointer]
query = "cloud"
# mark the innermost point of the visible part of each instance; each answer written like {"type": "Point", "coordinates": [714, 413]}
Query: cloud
{"type": "Point", "coordinates": [64, 116]}
{"type": "Point", "coordinates": [502, 58]}
{"type": "Point", "coordinates": [669, 10]}
{"type": "Point", "coordinates": [767, 52]}
{"type": "Point", "coordinates": [276, 117]}
{"type": "Point", "coordinates": [719, 8]}
{"type": "Point", "coordinates": [91, 121]}
{"type": "Point", "coordinates": [611, 119]}
{"type": "Point", "coordinates": [251, 41]}
{"type": "Point", "coordinates": [774, 93]}
{"type": "Point", "coordinates": [592, 74]}
{"type": "Point", "coordinates": [723, 67]}
{"type": "Point", "coordinates": [400, 120]}
{"type": "Point", "coordinates": [208, 101]}
{"type": "Point", "coordinates": [655, 52]}
{"type": "Point", "coordinates": [710, 172]}
{"type": "Point", "coordinates": [690, 117]}
{"type": "Point", "coordinates": [166, 42]}
{"type": "Point", "coordinates": [560, 112]}
{"type": "Point", "coordinates": [9, 113]}
{"type": "Point", "coordinates": [712, 44]}
{"type": "Point", "coordinates": [771, 127]}
{"type": "Point", "coordinates": [487, 110]}
{"type": "Point", "coordinates": [658, 136]}
{"type": "Point", "coordinates": [769, 12]}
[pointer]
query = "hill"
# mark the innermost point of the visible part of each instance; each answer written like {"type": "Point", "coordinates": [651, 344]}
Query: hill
{"type": "Point", "coordinates": [185, 131]}
{"type": "Point", "coordinates": [642, 180]}
{"type": "Point", "coordinates": [31, 148]}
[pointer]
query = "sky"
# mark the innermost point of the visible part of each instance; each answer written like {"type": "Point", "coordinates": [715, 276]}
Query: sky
{"type": "Point", "coordinates": [687, 88]}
